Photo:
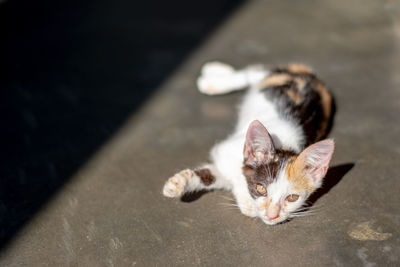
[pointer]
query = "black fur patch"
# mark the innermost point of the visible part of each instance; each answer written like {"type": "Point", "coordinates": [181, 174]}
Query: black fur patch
{"type": "Point", "coordinates": [303, 104]}
{"type": "Point", "coordinates": [265, 174]}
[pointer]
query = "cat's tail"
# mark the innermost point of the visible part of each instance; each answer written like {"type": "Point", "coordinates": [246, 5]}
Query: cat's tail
{"type": "Point", "coordinates": [218, 78]}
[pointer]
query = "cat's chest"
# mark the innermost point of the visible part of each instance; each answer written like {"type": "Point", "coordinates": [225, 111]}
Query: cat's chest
{"type": "Point", "coordinates": [228, 157]}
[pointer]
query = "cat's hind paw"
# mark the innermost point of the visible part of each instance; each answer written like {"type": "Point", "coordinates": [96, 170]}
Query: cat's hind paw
{"type": "Point", "coordinates": [175, 186]}
{"type": "Point", "coordinates": [216, 78]}
{"type": "Point", "coordinates": [216, 68]}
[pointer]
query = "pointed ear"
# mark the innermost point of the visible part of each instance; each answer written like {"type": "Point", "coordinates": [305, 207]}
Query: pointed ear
{"type": "Point", "coordinates": [258, 147]}
{"type": "Point", "coordinates": [315, 160]}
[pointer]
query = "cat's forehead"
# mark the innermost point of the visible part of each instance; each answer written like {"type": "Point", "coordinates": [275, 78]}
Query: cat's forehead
{"type": "Point", "coordinates": [279, 187]}
{"type": "Point", "coordinates": [267, 173]}
{"type": "Point", "coordinates": [280, 160]}
{"type": "Point", "coordinates": [292, 178]}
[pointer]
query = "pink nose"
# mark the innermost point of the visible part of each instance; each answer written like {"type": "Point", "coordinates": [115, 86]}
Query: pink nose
{"type": "Point", "coordinates": [273, 212]}
{"type": "Point", "coordinates": [272, 216]}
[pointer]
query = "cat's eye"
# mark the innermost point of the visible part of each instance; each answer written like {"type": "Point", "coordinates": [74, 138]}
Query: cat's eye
{"type": "Point", "coordinates": [261, 189]}
{"type": "Point", "coordinates": [292, 197]}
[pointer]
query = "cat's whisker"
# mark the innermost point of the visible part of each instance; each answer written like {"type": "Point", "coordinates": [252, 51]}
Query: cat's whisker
{"type": "Point", "coordinates": [228, 204]}
{"type": "Point", "coordinates": [310, 208]}
{"type": "Point", "coordinates": [302, 210]}
{"type": "Point", "coordinates": [232, 207]}
{"type": "Point", "coordinates": [303, 213]}
{"type": "Point", "coordinates": [267, 170]}
{"type": "Point", "coordinates": [228, 198]}
{"type": "Point", "coordinates": [229, 208]}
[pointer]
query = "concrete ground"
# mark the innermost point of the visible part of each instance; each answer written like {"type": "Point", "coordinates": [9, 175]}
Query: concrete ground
{"type": "Point", "coordinates": [111, 211]}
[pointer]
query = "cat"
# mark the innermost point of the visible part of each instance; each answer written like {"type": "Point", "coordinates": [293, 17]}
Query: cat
{"type": "Point", "coordinates": [277, 155]}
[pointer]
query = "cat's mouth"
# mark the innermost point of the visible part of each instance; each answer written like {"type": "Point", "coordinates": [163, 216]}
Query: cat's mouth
{"type": "Point", "coordinates": [277, 220]}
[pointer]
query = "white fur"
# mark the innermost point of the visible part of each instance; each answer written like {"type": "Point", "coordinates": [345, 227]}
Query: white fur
{"type": "Point", "coordinates": [227, 156]}
{"type": "Point", "coordinates": [220, 78]}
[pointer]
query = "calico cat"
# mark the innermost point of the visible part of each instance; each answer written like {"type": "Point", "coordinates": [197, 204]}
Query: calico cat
{"type": "Point", "coordinates": [275, 158]}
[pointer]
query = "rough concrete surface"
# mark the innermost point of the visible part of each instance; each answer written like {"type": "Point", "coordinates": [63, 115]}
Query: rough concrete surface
{"type": "Point", "coordinates": [112, 213]}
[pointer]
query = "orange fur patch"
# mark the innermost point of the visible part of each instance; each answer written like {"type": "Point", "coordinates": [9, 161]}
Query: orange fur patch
{"type": "Point", "coordinates": [294, 96]}
{"type": "Point", "coordinates": [300, 83]}
{"type": "Point", "coordinates": [326, 102]}
{"type": "Point", "coordinates": [325, 97]}
{"type": "Point", "coordinates": [298, 68]}
{"type": "Point", "coordinates": [275, 80]}
{"type": "Point", "coordinates": [293, 93]}
{"type": "Point", "coordinates": [296, 175]}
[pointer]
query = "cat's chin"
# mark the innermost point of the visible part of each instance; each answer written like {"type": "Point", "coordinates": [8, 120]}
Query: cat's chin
{"type": "Point", "coordinates": [274, 222]}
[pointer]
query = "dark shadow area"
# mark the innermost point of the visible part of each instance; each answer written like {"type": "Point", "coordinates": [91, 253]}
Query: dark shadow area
{"type": "Point", "coordinates": [332, 178]}
{"type": "Point", "coordinates": [71, 73]}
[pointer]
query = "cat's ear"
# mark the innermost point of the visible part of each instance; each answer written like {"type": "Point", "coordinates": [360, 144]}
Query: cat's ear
{"type": "Point", "coordinates": [258, 147]}
{"type": "Point", "coordinates": [314, 161]}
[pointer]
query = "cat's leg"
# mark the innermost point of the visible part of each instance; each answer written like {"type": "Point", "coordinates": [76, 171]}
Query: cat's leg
{"type": "Point", "coordinates": [220, 78]}
{"type": "Point", "coordinates": [243, 199]}
{"type": "Point", "coordinates": [205, 177]}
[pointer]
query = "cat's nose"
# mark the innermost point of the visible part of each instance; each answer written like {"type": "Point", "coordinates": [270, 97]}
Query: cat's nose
{"type": "Point", "coordinates": [273, 212]}
{"type": "Point", "coordinates": [272, 216]}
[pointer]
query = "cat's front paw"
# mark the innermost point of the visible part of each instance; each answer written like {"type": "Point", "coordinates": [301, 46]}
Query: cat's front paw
{"type": "Point", "coordinates": [175, 186]}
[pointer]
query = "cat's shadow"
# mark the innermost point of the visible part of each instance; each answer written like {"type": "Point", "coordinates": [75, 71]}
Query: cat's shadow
{"type": "Point", "coordinates": [193, 196]}
{"type": "Point", "coordinates": [332, 178]}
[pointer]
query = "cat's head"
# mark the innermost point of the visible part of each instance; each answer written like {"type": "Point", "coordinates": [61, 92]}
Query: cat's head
{"type": "Point", "coordinates": [280, 181]}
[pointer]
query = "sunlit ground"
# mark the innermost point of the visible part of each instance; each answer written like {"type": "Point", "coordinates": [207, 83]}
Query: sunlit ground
{"type": "Point", "coordinates": [103, 206]}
